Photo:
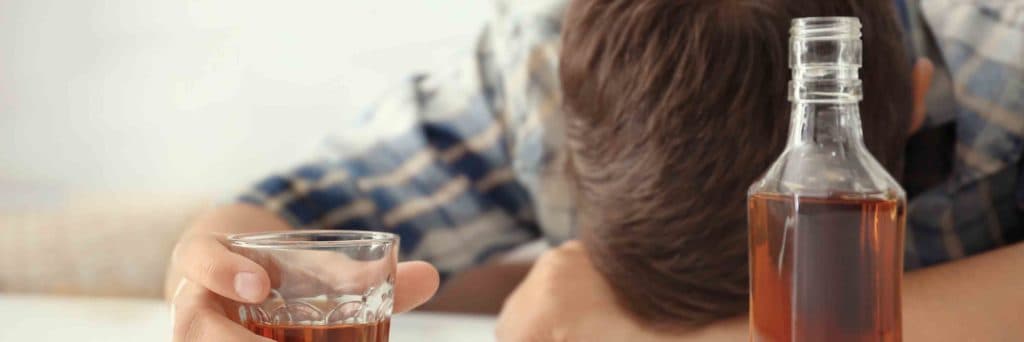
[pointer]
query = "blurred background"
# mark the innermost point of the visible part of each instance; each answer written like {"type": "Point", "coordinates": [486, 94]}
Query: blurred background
{"type": "Point", "coordinates": [120, 120]}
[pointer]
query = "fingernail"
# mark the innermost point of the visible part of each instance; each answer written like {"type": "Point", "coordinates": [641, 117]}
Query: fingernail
{"type": "Point", "coordinates": [247, 285]}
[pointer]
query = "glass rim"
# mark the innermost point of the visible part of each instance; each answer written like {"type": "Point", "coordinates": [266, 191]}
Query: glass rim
{"type": "Point", "coordinates": [283, 239]}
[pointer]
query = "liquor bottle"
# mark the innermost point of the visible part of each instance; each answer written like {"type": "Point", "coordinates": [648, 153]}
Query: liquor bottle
{"type": "Point", "coordinates": [826, 221]}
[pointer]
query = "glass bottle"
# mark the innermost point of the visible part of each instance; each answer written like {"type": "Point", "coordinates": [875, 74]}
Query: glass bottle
{"type": "Point", "coordinates": [826, 221]}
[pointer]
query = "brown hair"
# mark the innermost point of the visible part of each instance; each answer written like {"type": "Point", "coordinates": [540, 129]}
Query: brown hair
{"type": "Point", "coordinates": [674, 107]}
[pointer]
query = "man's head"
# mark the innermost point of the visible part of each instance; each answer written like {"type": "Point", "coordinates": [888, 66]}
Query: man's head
{"type": "Point", "coordinates": [674, 108]}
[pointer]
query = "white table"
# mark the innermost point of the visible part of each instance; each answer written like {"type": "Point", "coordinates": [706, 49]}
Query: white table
{"type": "Point", "coordinates": [45, 318]}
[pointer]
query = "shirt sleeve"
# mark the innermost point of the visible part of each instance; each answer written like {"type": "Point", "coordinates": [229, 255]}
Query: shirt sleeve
{"type": "Point", "coordinates": [431, 163]}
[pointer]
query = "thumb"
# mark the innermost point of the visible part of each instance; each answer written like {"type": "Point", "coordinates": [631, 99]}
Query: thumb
{"type": "Point", "coordinates": [205, 261]}
{"type": "Point", "coordinates": [416, 282]}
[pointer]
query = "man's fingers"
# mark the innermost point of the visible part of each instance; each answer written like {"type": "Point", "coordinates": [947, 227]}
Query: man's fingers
{"type": "Point", "coordinates": [416, 282]}
{"type": "Point", "coordinates": [198, 316]}
{"type": "Point", "coordinates": [207, 325]}
{"type": "Point", "coordinates": [205, 261]}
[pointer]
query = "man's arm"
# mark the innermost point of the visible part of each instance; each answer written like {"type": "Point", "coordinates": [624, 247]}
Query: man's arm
{"type": "Point", "coordinates": [429, 162]}
{"type": "Point", "coordinates": [974, 299]}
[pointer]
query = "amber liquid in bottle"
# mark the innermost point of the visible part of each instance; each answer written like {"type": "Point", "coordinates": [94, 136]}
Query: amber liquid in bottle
{"type": "Point", "coordinates": [825, 269]}
{"type": "Point", "coordinates": [372, 332]}
{"type": "Point", "coordinates": [826, 221]}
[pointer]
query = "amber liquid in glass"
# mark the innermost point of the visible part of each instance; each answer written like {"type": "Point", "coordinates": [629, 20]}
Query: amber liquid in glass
{"type": "Point", "coordinates": [373, 332]}
{"type": "Point", "coordinates": [825, 269]}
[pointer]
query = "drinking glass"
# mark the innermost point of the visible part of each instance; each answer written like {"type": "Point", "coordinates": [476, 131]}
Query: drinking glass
{"type": "Point", "coordinates": [326, 285]}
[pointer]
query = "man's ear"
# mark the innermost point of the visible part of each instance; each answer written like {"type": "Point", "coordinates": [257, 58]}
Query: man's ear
{"type": "Point", "coordinates": [921, 79]}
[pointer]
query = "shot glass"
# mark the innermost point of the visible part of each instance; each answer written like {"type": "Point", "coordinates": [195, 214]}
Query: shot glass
{"type": "Point", "coordinates": [326, 285]}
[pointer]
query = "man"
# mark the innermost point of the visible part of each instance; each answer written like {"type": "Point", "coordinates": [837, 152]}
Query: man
{"type": "Point", "coordinates": [660, 184]}
{"type": "Point", "coordinates": [663, 99]}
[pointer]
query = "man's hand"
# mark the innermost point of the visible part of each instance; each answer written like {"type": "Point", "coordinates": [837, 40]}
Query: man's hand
{"type": "Point", "coordinates": [563, 298]}
{"type": "Point", "coordinates": [215, 277]}
{"type": "Point", "coordinates": [209, 278]}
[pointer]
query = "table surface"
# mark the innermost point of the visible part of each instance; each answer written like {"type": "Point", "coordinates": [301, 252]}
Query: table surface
{"type": "Point", "coordinates": [45, 318]}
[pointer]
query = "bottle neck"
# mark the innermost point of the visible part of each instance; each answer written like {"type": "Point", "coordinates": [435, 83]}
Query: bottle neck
{"type": "Point", "coordinates": [825, 56]}
{"type": "Point", "coordinates": [825, 125]}
{"type": "Point", "coordinates": [825, 155]}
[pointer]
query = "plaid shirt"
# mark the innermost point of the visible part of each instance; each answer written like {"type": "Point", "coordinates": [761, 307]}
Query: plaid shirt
{"type": "Point", "coordinates": [974, 131]}
{"type": "Point", "coordinates": [464, 164]}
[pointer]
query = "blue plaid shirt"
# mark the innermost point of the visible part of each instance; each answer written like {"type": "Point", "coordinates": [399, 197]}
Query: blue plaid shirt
{"type": "Point", "coordinates": [976, 119]}
{"type": "Point", "coordinates": [464, 164]}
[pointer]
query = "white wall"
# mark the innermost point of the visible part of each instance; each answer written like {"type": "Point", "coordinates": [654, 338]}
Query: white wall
{"type": "Point", "coordinates": [199, 96]}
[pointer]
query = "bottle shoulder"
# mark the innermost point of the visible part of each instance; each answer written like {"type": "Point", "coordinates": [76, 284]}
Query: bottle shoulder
{"type": "Point", "coordinates": [821, 173]}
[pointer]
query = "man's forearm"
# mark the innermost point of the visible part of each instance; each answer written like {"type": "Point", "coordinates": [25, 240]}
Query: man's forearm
{"type": "Point", "coordinates": [974, 299]}
{"type": "Point", "coordinates": [229, 219]}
